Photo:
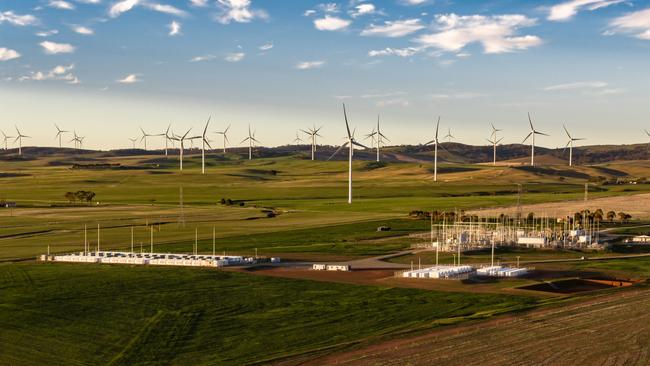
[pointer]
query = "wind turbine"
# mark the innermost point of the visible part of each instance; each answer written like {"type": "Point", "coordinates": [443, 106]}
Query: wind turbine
{"type": "Point", "coordinates": [133, 141]}
{"type": "Point", "coordinates": [182, 141]}
{"type": "Point", "coordinates": [372, 136]}
{"type": "Point", "coordinates": [493, 140]}
{"type": "Point", "coordinates": [251, 138]}
{"type": "Point", "coordinates": [6, 138]}
{"type": "Point", "coordinates": [312, 133]}
{"type": "Point", "coordinates": [225, 137]}
{"type": "Point", "coordinates": [380, 136]}
{"type": "Point", "coordinates": [350, 143]}
{"type": "Point", "coordinates": [20, 138]}
{"type": "Point", "coordinates": [449, 136]}
{"type": "Point", "coordinates": [81, 141]}
{"type": "Point", "coordinates": [59, 134]}
{"type": "Point", "coordinates": [167, 137]}
{"type": "Point", "coordinates": [204, 141]}
{"type": "Point", "coordinates": [570, 145]}
{"type": "Point", "coordinates": [435, 143]}
{"type": "Point", "coordinates": [145, 135]}
{"type": "Point", "coordinates": [532, 133]}
{"type": "Point", "coordinates": [297, 140]}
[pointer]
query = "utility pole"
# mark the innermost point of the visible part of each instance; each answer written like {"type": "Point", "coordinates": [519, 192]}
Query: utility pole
{"type": "Point", "coordinates": [131, 239]}
{"type": "Point", "coordinates": [98, 237]}
{"type": "Point", "coordinates": [151, 239]}
{"type": "Point", "coordinates": [213, 241]}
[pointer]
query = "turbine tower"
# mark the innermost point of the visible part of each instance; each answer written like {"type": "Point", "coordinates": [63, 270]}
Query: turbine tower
{"type": "Point", "coordinates": [182, 141]}
{"type": "Point", "coordinates": [204, 141]}
{"type": "Point", "coordinates": [20, 138]}
{"type": "Point", "coordinates": [225, 137]}
{"type": "Point", "coordinates": [312, 133]}
{"type": "Point", "coordinates": [532, 133]}
{"type": "Point", "coordinates": [350, 143]}
{"type": "Point", "coordinates": [75, 139]}
{"type": "Point", "coordinates": [435, 143]}
{"type": "Point", "coordinates": [251, 138]}
{"type": "Point", "coordinates": [59, 134]}
{"type": "Point", "coordinates": [494, 141]}
{"type": "Point", "coordinates": [167, 138]}
{"type": "Point", "coordinates": [569, 144]}
{"type": "Point", "coordinates": [6, 138]}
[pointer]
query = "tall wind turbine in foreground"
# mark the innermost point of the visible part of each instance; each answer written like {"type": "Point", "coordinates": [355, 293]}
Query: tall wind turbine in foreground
{"type": "Point", "coordinates": [435, 143]}
{"type": "Point", "coordinates": [182, 139]}
{"type": "Point", "coordinates": [204, 141]}
{"type": "Point", "coordinates": [59, 134]}
{"type": "Point", "coordinates": [569, 144]}
{"type": "Point", "coordinates": [225, 137]}
{"type": "Point", "coordinates": [251, 138]}
{"type": "Point", "coordinates": [494, 141]}
{"type": "Point", "coordinates": [312, 133]}
{"type": "Point", "coordinates": [532, 134]}
{"type": "Point", "coordinates": [6, 138]}
{"type": "Point", "coordinates": [350, 143]}
{"type": "Point", "coordinates": [380, 136]}
{"type": "Point", "coordinates": [20, 138]}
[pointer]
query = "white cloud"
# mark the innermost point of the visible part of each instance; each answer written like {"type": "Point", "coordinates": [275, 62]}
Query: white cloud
{"type": "Point", "coordinates": [393, 102]}
{"type": "Point", "coordinates": [309, 12]}
{"type": "Point", "coordinates": [398, 28]}
{"type": "Point", "coordinates": [7, 54]}
{"type": "Point", "coordinates": [267, 46]}
{"type": "Point", "coordinates": [413, 2]}
{"type": "Point", "coordinates": [382, 95]}
{"type": "Point", "coordinates": [174, 28]}
{"type": "Point", "coordinates": [47, 33]}
{"type": "Point", "coordinates": [235, 57]}
{"type": "Point", "coordinates": [83, 30]}
{"type": "Point", "coordinates": [88, 1]}
{"type": "Point", "coordinates": [238, 11]}
{"type": "Point", "coordinates": [203, 58]}
{"type": "Point", "coordinates": [458, 95]}
{"type": "Point", "coordinates": [130, 79]}
{"type": "Point", "coordinates": [401, 52]}
{"type": "Point", "coordinates": [61, 72]}
{"type": "Point", "coordinates": [53, 48]}
{"type": "Point", "coordinates": [636, 23]}
{"type": "Point", "coordinates": [199, 3]}
{"type": "Point", "coordinates": [16, 19]}
{"type": "Point", "coordinates": [497, 33]}
{"type": "Point", "coordinates": [307, 65]}
{"type": "Point", "coordinates": [567, 10]}
{"type": "Point", "coordinates": [330, 23]}
{"type": "Point", "coordinates": [363, 9]}
{"type": "Point", "coordinates": [167, 9]}
{"type": "Point", "coordinates": [330, 8]}
{"type": "Point", "coordinates": [577, 85]}
{"type": "Point", "coordinates": [60, 4]}
{"type": "Point", "coordinates": [122, 7]}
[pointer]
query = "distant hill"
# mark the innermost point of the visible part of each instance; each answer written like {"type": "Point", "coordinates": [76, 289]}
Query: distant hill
{"type": "Point", "coordinates": [448, 152]}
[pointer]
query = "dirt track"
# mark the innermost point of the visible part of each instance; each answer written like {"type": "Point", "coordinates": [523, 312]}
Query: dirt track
{"type": "Point", "coordinates": [637, 205]}
{"type": "Point", "coordinates": [607, 330]}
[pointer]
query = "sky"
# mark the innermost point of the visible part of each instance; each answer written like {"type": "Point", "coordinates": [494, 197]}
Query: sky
{"type": "Point", "coordinates": [105, 68]}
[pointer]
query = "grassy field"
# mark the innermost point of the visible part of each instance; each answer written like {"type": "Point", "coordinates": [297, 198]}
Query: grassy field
{"type": "Point", "coordinates": [117, 315]}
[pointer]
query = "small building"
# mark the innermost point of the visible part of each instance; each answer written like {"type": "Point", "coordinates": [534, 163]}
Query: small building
{"type": "Point", "coordinates": [531, 241]}
{"type": "Point", "coordinates": [319, 267]}
{"type": "Point", "coordinates": [641, 239]}
{"type": "Point", "coordinates": [338, 267]}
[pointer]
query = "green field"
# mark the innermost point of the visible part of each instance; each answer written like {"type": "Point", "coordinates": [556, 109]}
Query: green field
{"type": "Point", "coordinates": [118, 315]}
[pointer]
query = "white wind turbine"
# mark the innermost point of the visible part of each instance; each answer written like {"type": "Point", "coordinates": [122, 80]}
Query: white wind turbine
{"type": "Point", "coordinates": [313, 133]}
{"type": "Point", "coordinates": [297, 140]}
{"type": "Point", "coordinates": [569, 144]}
{"type": "Point", "coordinates": [182, 139]}
{"type": "Point", "coordinates": [350, 143]}
{"type": "Point", "coordinates": [449, 136]}
{"type": "Point", "coordinates": [204, 141]}
{"type": "Point", "coordinates": [167, 138]}
{"type": "Point", "coordinates": [380, 136]}
{"type": "Point", "coordinates": [494, 141]}
{"type": "Point", "coordinates": [145, 135]}
{"type": "Point", "coordinates": [133, 141]}
{"type": "Point", "coordinates": [20, 138]}
{"type": "Point", "coordinates": [251, 138]}
{"type": "Point", "coordinates": [435, 143]}
{"type": "Point", "coordinates": [225, 137]}
{"type": "Point", "coordinates": [59, 134]}
{"type": "Point", "coordinates": [6, 138]}
{"type": "Point", "coordinates": [532, 133]}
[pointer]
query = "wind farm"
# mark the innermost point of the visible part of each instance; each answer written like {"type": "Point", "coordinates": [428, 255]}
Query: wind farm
{"type": "Point", "coordinates": [344, 183]}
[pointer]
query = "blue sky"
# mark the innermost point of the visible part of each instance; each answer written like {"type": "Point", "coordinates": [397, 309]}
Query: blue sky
{"type": "Point", "coordinates": [105, 67]}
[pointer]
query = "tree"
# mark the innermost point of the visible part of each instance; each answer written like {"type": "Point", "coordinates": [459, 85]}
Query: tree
{"type": "Point", "coordinates": [70, 197]}
{"type": "Point", "coordinates": [611, 215]}
{"type": "Point", "coordinates": [622, 216]}
{"type": "Point", "coordinates": [598, 215]}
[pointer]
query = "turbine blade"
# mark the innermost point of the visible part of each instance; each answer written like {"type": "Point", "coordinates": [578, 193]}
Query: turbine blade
{"type": "Point", "coordinates": [531, 122]}
{"type": "Point", "coordinates": [526, 138]}
{"type": "Point", "coordinates": [337, 150]}
{"type": "Point", "coordinates": [541, 133]}
{"type": "Point", "coordinates": [567, 132]}
{"type": "Point", "coordinates": [437, 128]}
{"type": "Point", "coordinates": [360, 144]}
{"type": "Point", "coordinates": [347, 125]}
